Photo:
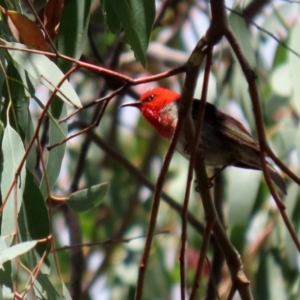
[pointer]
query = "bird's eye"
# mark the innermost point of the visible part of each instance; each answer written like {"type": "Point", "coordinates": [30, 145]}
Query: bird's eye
{"type": "Point", "coordinates": [151, 97]}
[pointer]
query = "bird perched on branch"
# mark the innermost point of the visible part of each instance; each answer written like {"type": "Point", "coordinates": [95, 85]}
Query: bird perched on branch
{"type": "Point", "coordinates": [225, 141]}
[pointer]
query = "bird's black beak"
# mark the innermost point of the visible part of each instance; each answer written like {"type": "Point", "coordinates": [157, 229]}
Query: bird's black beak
{"type": "Point", "coordinates": [133, 104]}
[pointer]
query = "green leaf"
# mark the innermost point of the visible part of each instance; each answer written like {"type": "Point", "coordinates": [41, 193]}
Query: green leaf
{"type": "Point", "coordinates": [45, 289]}
{"type": "Point", "coordinates": [14, 251]}
{"type": "Point", "coordinates": [89, 198]}
{"type": "Point", "coordinates": [38, 4]}
{"type": "Point", "coordinates": [110, 16]}
{"type": "Point", "coordinates": [242, 34]}
{"type": "Point", "coordinates": [2, 75]}
{"type": "Point", "coordinates": [72, 30]}
{"type": "Point", "coordinates": [36, 213]}
{"type": "Point", "coordinates": [66, 293]}
{"type": "Point", "coordinates": [131, 19]}
{"type": "Point", "coordinates": [143, 13]}
{"type": "Point", "coordinates": [6, 292]}
{"type": "Point", "coordinates": [294, 63]}
{"type": "Point", "coordinates": [13, 152]}
{"type": "Point", "coordinates": [242, 192]}
{"type": "Point", "coordinates": [6, 272]}
{"type": "Point", "coordinates": [55, 155]}
{"type": "Point", "coordinates": [43, 69]}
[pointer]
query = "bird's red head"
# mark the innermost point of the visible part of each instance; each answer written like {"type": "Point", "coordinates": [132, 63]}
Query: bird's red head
{"type": "Point", "coordinates": [159, 106]}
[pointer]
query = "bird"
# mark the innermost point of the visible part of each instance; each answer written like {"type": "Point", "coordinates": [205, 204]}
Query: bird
{"type": "Point", "coordinates": [225, 141]}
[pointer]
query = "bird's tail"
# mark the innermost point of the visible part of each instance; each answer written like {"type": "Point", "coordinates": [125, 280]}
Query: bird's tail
{"type": "Point", "coordinates": [277, 179]}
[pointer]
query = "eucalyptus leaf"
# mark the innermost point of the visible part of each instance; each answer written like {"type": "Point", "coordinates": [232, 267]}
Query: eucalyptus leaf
{"type": "Point", "coordinates": [55, 156]}
{"type": "Point", "coordinates": [89, 198]}
{"type": "Point", "coordinates": [36, 213]}
{"type": "Point", "coordinates": [242, 34]}
{"type": "Point", "coordinates": [44, 70]}
{"type": "Point", "coordinates": [14, 251]}
{"type": "Point", "coordinates": [73, 30]}
{"type": "Point", "coordinates": [294, 63]}
{"type": "Point", "coordinates": [242, 193]}
{"type": "Point", "coordinates": [135, 21]}
{"type": "Point", "coordinates": [13, 152]}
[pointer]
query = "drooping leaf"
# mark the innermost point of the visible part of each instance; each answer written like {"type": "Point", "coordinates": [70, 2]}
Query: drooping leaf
{"type": "Point", "coordinates": [89, 198]}
{"type": "Point", "coordinates": [66, 293]}
{"type": "Point", "coordinates": [136, 18]}
{"type": "Point", "coordinates": [243, 184]}
{"type": "Point", "coordinates": [37, 220]}
{"type": "Point", "coordinates": [14, 251]}
{"type": "Point", "coordinates": [72, 30]}
{"type": "Point", "coordinates": [242, 34]}
{"type": "Point", "coordinates": [43, 288]}
{"type": "Point", "coordinates": [46, 287]}
{"type": "Point", "coordinates": [15, 90]}
{"type": "Point", "coordinates": [111, 18]}
{"type": "Point", "coordinates": [2, 64]}
{"type": "Point", "coordinates": [54, 159]}
{"type": "Point", "coordinates": [13, 152]}
{"type": "Point", "coordinates": [43, 69]}
{"type": "Point", "coordinates": [52, 14]}
{"type": "Point", "coordinates": [6, 272]}
{"type": "Point", "coordinates": [39, 4]}
{"type": "Point", "coordinates": [25, 31]}
{"type": "Point", "coordinates": [294, 63]}
{"type": "Point", "coordinates": [143, 12]}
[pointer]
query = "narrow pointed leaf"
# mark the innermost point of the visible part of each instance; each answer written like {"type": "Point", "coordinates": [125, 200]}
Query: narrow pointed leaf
{"type": "Point", "coordinates": [73, 30]}
{"type": "Point", "coordinates": [44, 70]}
{"type": "Point", "coordinates": [57, 132]}
{"type": "Point", "coordinates": [13, 152]}
{"type": "Point", "coordinates": [14, 251]}
{"type": "Point", "coordinates": [125, 15]}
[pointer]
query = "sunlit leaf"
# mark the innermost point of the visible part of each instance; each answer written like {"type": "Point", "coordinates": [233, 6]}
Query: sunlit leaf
{"type": "Point", "coordinates": [14, 251]}
{"type": "Point", "coordinates": [13, 152]}
{"type": "Point", "coordinates": [43, 69]}
{"type": "Point", "coordinates": [6, 271]}
{"type": "Point", "coordinates": [55, 156]}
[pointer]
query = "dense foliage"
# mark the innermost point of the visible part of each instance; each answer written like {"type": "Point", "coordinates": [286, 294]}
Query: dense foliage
{"type": "Point", "coordinates": [78, 174]}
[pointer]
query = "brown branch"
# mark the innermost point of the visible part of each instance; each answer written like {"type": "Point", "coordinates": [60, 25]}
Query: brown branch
{"type": "Point", "coordinates": [217, 254]}
{"type": "Point", "coordinates": [143, 179]}
{"type": "Point", "coordinates": [251, 79]}
{"type": "Point", "coordinates": [133, 201]}
{"type": "Point", "coordinates": [107, 242]}
{"type": "Point", "coordinates": [254, 7]}
{"type": "Point", "coordinates": [36, 132]}
{"type": "Point", "coordinates": [217, 29]}
{"type": "Point", "coordinates": [42, 25]}
{"type": "Point", "coordinates": [195, 145]}
{"type": "Point", "coordinates": [204, 247]}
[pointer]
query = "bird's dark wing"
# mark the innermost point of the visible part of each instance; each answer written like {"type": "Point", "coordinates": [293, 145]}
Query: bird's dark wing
{"type": "Point", "coordinates": [227, 125]}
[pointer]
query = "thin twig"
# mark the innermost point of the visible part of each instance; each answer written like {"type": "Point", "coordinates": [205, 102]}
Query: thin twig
{"type": "Point", "coordinates": [251, 78]}
{"type": "Point", "coordinates": [106, 242]}
{"type": "Point", "coordinates": [209, 224]}
{"type": "Point", "coordinates": [204, 247]}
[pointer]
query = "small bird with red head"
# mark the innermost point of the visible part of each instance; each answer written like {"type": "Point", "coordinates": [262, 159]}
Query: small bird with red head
{"type": "Point", "coordinates": [225, 141]}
